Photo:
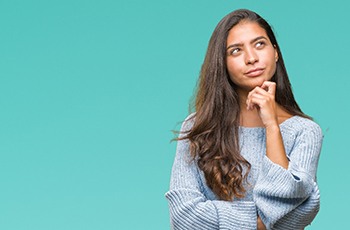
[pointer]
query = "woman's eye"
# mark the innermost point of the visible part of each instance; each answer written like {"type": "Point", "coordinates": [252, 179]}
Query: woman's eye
{"type": "Point", "coordinates": [260, 44]}
{"type": "Point", "coordinates": [235, 51]}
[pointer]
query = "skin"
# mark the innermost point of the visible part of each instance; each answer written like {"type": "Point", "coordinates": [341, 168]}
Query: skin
{"type": "Point", "coordinates": [248, 49]}
{"type": "Point", "coordinates": [251, 63]}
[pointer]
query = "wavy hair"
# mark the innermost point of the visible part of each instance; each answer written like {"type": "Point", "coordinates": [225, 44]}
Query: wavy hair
{"type": "Point", "coordinates": [214, 136]}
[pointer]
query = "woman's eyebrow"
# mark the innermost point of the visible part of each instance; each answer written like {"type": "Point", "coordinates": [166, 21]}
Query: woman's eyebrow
{"type": "Point", "coordinates": [258, 38]}
{"type": "Point", "coordinates": [241, 44]}
{"type": "Point", "coordinates": [234, 45]}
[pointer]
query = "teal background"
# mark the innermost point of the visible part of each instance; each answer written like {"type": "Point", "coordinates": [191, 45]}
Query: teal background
{"type": "Point", "coordinates": [90, 91]}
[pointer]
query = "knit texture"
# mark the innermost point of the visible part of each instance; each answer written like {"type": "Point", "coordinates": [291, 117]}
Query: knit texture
{"type": "Point", "coordinates": [283, 198]}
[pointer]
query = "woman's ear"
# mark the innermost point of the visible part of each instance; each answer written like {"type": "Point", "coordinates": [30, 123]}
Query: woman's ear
{"type": "Point", "coordinates": [276, 53]}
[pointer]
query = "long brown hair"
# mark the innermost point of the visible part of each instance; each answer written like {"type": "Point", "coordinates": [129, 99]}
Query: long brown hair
{"type": "Point", "coordinates": [214, 135]}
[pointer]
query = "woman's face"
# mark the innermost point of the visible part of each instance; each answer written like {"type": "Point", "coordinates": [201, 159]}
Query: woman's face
{"type": "Point", "coordinates": [251, 57]}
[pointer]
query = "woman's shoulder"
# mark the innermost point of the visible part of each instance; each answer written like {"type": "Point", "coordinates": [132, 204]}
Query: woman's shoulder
{"type": "Point", "coordinates": [190, 117]}
{"type": "Point", "coordinates": [299, 125]}
{"type": "Point", "coordinates": [188, 122]}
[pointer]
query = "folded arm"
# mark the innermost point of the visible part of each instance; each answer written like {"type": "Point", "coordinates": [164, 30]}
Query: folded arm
{"type": "Point", "coordinates": [289, 198]}
{"type": "Point", "coordinates": [190, 207]}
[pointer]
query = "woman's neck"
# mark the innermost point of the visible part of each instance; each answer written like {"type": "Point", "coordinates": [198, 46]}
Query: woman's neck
{"type": "Point", "coordinates": [248, 118]}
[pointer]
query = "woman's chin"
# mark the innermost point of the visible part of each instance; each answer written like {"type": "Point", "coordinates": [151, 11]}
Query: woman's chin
{"type": "Point", "coordinates": [255, 84]}
{"type": "Point", "coordinates": [250, 84]}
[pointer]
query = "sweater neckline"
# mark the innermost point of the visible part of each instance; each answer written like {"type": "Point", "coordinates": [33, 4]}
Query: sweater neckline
{"type": "Point", "coordinates": [285, 122]}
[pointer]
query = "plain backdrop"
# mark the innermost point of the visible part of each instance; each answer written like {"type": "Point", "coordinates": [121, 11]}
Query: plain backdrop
{"type": "Point", "coordinates": [90, 91]}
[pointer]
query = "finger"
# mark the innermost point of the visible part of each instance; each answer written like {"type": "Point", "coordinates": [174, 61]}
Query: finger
{"type": "Point", "coordinates": [269, 86]}
{"type": "Point", "coordinates": [250, 106]}
{"type": "Point", "coordinates": [255, 100]}
{"type": "Point", "coordinates": [256, 91]}
{"type": "Point", "coordinates": [259, 100]}
{"type": "Point", "coordinates": [260, 90]}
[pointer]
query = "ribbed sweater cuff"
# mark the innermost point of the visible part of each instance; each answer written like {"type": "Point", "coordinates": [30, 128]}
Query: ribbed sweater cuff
{"type": "Point", "coordinates": [190, 210]}
{"type": "Point", "coordinates": [277, 181]}
{"type": "Point", "coordinates": [236, 215]}
{"type": "Point", "coordinates": [278, 191]}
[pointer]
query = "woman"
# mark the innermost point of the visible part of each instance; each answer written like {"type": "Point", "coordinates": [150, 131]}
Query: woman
{"type": "Point", "coordinates": [247, 158]}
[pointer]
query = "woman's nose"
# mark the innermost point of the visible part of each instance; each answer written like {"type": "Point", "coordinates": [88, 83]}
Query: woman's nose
{"type": "Point", "coordinates": [251, 57]}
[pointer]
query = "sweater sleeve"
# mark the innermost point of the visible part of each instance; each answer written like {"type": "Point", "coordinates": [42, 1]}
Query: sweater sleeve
{"type": "Point", "coordinates": [289, 198]}
{"type": "Point", "coordinates": [302, 215]}
{"type": "Point", "coordinates": [189, 206]}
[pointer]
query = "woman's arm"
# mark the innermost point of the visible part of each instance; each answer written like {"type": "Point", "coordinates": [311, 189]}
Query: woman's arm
{"type": "Point", "coordinates": [189, 206]}
{"type": "Point", "coordinates": [264, 99]}
{"type": "Point", "coordinates": [289, 198]}
{"type": "Point", "coordinates": [286, 194]}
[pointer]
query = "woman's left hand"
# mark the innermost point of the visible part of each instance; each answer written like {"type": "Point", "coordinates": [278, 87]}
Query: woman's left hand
{"type": "Point", "coordinates": [263, 98]}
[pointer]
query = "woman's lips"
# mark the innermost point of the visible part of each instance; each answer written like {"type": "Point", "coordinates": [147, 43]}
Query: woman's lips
{"type": "Point", "coordinates": [254, 72]}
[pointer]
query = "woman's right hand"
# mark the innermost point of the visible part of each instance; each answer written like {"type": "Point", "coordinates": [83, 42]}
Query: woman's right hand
{"type": "Point", "coordinates": [260, 224]}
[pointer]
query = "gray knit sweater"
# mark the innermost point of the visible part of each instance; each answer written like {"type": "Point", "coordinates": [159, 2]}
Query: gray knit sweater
{"type": "Point", "coordinates": [283, 198]}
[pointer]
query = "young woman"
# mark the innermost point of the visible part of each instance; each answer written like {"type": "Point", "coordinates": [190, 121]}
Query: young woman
{"type": "Point", "coordinates": [247, 158]}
